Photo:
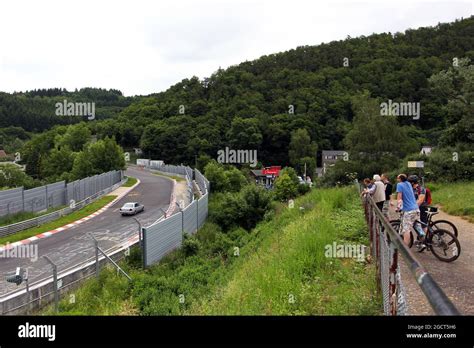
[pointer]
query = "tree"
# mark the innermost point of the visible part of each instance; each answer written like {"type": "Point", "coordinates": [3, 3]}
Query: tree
{"type": "Point", "coordinates": [100, 157]}
{"type": "Point", "coordinates": [244, 134]}
{"type": "Point", "coordinates": [374, 136]}
{"type": "Point", "coordinates": [12, 176]}
{"type": "Point", "coordinates": [456, 86]}
{"type": "Point", "coordinates": [301, 151]}
{"type": "Point", "coordinates": [75, 137]}
{"type": "Point", "coordinates": [215, 173]}
{"type": "Point", "coordinates": [57, 162]}
{"type": "Point", "coordinates": [236, 180]}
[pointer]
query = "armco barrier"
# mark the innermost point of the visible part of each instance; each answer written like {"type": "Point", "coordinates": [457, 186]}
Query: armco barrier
{"type": "Point", "coordinates": [57, 194]}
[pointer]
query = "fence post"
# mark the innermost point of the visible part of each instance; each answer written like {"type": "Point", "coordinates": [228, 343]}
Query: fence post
{"type": "Point", "coordinates": [393, 280]}
{"type": "Point", "coordinates": [46, 195]}
{"type": "Point", "coordinates": [197, 215]}
{"type": "Point", "coordinates": [55, 282]}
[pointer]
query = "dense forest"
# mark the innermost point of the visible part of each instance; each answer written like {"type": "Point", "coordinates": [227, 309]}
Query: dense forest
{"type": "Point", "coordinates": [292, 104]}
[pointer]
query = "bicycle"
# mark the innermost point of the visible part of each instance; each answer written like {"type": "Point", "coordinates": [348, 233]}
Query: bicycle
{"type": "Point", "coordinates": [438, 241]}
{"type": "Point", "coordinates": [438, 224]}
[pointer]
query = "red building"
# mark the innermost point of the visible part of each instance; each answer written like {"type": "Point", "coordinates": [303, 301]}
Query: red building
{"type": "Point", "coordinates": [266, 176]}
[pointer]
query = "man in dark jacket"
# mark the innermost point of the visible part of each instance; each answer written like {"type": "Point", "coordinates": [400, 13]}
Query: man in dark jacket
{"type": "Point", "coordinates": [388, 193]}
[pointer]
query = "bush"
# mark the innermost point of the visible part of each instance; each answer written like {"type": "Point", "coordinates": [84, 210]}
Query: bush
{"type": "Point", "coordinates": [285, 187]}
{"type": "Point", "coordinates": [257, 202]}
{"type": "Point", "coordinates": [191, 245]}
{"type": "Point", "coordinates": [215, 173]}
{"type": "Point", "coordinates": [244, 209]}
{"type": "Point", "coordinates": [303, 189]}
{"type": "Point", "coordinates": [442, 165]}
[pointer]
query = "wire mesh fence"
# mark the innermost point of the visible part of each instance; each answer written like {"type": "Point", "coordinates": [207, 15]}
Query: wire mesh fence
{"type": "Point", "coordinates": [388, 250]}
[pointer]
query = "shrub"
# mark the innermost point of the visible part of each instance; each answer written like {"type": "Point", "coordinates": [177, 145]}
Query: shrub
{"type": "Point", "coordinates": [303, 189]}
{"type": "Point", "coordinates": [285, 187]}
{"type": "Point", "coordinates": [191, 245]}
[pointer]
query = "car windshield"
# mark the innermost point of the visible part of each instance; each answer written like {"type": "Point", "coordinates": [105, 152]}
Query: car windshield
{"type": "Point", "coordinates": [129, 205]}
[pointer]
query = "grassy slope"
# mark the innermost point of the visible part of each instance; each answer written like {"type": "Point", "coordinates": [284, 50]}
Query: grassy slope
{"type": "Point", "coordinates": [290, 263]}
{"type": "Point", "coordinates": [455, 198]}
{"type": "Point", "coordinates": [87, 210]}
{"type": "Point", "coordinates": [282, 256]}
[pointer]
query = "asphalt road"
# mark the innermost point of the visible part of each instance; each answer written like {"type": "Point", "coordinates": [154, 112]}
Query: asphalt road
{"type": "Point", "coordinates": [73, 246]}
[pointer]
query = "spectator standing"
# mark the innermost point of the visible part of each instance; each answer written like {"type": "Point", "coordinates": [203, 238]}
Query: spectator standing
{"type": "Point", "coordinates": [379, 193]}
{"type": "Point", "coordinates": [388, 193]}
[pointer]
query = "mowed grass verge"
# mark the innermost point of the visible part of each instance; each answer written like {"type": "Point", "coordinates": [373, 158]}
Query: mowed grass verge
{"type": "Point", "coordinates": [455, 198]}
{"type": "Point", "coordinates": [24, 215]}
{"type": "Point", "coordinates": [130, 181]}
{"type": "Point", "coordinates": [64, 220]}
{"type": "Point", "coordinates": [280, 269]}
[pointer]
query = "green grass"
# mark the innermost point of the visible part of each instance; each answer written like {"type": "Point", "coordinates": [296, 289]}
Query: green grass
{"type": "Point", "coordinates": [25, 215]}
{"type": "Point", "coordinates": [282, 257]}
{"type": "Point", "coordinates": [177, 178]}
{"type": "Point", "coordinates": [288, 273]}
{"type": "Point", "coordinates": [87, 210]}
{"type": "Point", "coordinates": [130, 181]}
{"type": "Point", "coordinates": [455, 198]}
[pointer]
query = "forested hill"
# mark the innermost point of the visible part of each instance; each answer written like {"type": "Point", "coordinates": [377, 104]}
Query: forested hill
{"type": "Point", "coordinates": [247, 106]}
{"type": "Point", "coordinates": [261, 104]}
{"type": "Point", "coordinates": [34, 111]}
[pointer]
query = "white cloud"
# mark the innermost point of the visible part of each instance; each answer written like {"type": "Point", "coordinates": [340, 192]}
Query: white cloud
{"type": "Point", "coordinates": [141, 46]}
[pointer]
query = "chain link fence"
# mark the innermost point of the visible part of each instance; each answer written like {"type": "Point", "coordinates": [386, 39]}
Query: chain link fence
{"type": "Point", "coordinates": [387, 249]}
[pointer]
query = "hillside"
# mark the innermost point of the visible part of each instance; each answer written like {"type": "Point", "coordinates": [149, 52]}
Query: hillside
{"type": "Point", "coordinates": [304, 100]}
{"type": "Point", "coordinates": [279, 268]}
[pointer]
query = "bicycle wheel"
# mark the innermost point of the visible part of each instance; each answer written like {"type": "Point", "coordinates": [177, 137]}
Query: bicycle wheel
{"type": "Point", "coordinates": [444, 245]}
{"type": "Point", "coordinates": [444, 225]}
{"type": "Point", "coordinates": [396, 226]}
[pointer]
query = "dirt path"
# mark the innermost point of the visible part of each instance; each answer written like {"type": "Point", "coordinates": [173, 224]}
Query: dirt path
{"type": "Point", "coordinates": [456, 278]}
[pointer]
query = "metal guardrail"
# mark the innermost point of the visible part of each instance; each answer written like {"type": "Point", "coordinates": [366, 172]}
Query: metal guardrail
{"type": "Point", "coordinates": [386, 245]}
{"type": "Point", "coordinates": [37, 221]}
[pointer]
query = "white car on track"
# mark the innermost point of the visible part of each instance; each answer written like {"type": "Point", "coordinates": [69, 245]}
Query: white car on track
{"type": "Point", "coordinates": [131, 208]}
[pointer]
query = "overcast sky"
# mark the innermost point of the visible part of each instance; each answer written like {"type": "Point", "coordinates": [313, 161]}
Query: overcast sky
{"type": "Point", "coordinates": [142, 47]}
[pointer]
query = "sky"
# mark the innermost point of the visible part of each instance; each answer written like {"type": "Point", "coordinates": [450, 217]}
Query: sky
{"type": "Point", "coordinates": [144, 46]}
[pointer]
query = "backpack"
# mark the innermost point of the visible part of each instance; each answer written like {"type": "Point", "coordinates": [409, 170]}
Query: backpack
{"type": "Point", "coordinates": [428, 199]}
{"type": "Point", "coordinates": [428, 196]}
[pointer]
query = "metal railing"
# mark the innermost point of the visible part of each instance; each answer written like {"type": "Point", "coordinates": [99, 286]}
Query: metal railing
{"type": "Point", "coordinates": [386, 247]}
